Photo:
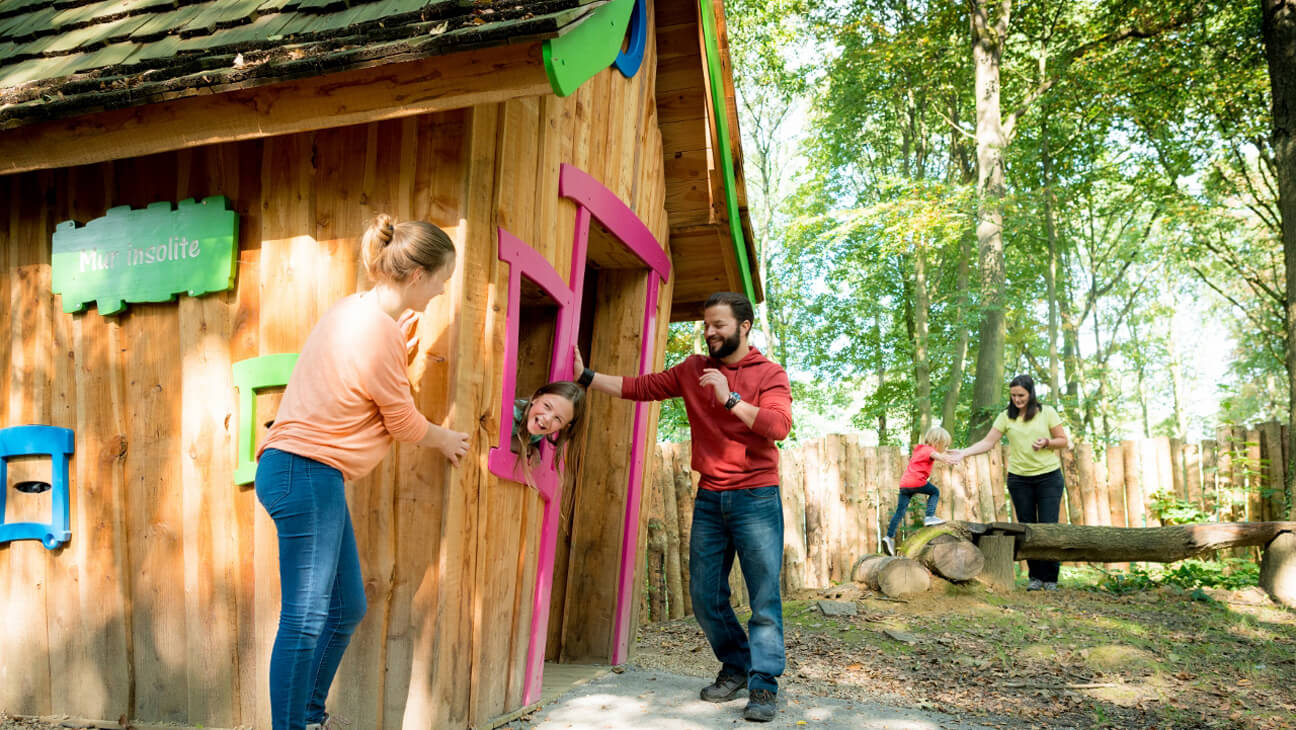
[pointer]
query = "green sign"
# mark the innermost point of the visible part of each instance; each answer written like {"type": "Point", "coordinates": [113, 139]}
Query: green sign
{"type": "Point", "coordinates": [147, 255]}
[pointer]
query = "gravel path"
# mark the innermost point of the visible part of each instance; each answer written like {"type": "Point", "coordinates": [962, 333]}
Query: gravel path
{"type": "Point", "coordinates": [656, 700]}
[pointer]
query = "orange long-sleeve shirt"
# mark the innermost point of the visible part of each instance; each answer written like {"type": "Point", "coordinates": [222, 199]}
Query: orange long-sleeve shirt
{"type": "Point", "coordinates": [349, 395]}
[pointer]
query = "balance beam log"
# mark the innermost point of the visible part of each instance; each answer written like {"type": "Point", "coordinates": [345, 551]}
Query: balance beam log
{"type": "Point", "coordinates": [1086, 543]}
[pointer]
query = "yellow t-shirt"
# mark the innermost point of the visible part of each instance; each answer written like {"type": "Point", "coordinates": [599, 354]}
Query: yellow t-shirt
{"type": "Point", "coordinates": [1022, 458]}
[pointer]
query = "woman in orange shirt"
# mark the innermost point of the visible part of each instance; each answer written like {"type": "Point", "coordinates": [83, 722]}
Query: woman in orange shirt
{"type": "Point", "coordinates": [348, 398]}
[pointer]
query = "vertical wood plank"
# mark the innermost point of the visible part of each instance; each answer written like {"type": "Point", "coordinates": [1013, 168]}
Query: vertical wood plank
{"type": "Point", "coordinates": [1192, 462]}
{"type": "Point", "coordinates": [1136, 511]}
{"type": "Point", "coordinates": [871, 499]}
{"type": "Point", "coordinates": [288, 305]}
{"type": "Point", "coordinates": [207, 438]}
{"type": "Point", "coordinates": [1275, 468]}
{"type": "Point", "coordinates": [1116, 485]}
{"type": "Point", "coordinates": [1255, 500]}
{"type": "Point", "coordinates": [792, 470]}
{"type": "Point", "coordinates": [438, 196]}
{"type": "Point", "coordinates": [25, 671]}
{"type": "Point", "coordinates": [815, 518]}
{"type": "Point", "coordinates": [1210, 456]}
{"type": "Point", "coordinates": [102, 669]}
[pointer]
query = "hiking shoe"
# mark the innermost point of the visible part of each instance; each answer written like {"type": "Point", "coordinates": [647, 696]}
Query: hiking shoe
{"type": "Point", "coordinates": [760, 706]}
{"type": "Point", "coordinates": [724, 688]}
{"type": "Point", "coordinates": [1050, 585]}
{"type": "Point", "coordinates": [929, 521]}
{"type": "Point", "coordinates": [888, 545]}
{"type": "Point", "coordinates": [1036, 584]}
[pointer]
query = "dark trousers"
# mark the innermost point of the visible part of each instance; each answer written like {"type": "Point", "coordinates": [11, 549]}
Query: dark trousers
{"type": "Point", "coordinates": [1038, 499]}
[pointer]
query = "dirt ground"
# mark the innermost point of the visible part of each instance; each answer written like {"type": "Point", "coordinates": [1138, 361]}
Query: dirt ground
{"type": "Point", "coordinates": [1070, 659]}
{"type": "Point", "coordinates": [1165, 658]}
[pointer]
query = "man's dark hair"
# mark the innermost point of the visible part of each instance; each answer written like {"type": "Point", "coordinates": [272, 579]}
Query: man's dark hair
{"type": "Point", "coordinates": [738, 304]}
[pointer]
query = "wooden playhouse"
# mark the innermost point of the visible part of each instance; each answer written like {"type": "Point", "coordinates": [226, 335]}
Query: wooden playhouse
{"type": "Point", "coordinates": [182, 187]}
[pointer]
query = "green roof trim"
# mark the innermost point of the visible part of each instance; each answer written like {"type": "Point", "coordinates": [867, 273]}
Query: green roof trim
{"type": "Point", "coordinates": [572, 59]}
{"type": "Point", "coordinates": [711, 39]}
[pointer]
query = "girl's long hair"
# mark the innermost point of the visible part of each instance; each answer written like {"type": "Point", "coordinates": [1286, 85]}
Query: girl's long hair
{"type": "Point", "coordinates": [527, 451]}
{"type": "Point", "coordinates": [1032, 403]}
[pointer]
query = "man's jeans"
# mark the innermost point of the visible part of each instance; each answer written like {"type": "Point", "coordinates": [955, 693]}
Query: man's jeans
{"type": "Point", "coordinates": [319, 573]}
{"type": "Point", "coordinates": [748, 522]}
{"type": "Point", "coordinates": [902, 504]}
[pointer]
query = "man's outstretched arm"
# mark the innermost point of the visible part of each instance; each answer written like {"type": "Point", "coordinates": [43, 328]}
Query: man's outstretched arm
{"type": "Point", "coordinates": [610, 384]}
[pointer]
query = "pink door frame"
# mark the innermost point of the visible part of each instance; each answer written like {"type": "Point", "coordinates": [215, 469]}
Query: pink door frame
{"type": "Point", "coordinates": [592, 199]}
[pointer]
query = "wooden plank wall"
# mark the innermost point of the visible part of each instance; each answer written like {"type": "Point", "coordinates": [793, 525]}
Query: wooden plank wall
{"type": "Point", "coordinates": [164, 606]}
{"type": "Point", "coordinates": [839, 494]}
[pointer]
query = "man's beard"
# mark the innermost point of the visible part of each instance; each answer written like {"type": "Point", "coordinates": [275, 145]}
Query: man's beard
{"type": "Point", "coordinates": [726, 348]}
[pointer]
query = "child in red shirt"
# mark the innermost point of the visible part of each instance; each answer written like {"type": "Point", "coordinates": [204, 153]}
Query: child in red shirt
{"type": "Point", "coordinates": [916, 481]}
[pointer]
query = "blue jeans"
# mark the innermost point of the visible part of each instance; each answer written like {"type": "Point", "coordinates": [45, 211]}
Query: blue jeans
{"type": "Point", "coordinates": [1038, 499]}
{"type": "Point", "coordinates": [319, 573]}
{"type": "Point", "coordinates": [933, 497]}
{"type": "Point", "coordinates": [748, 523]}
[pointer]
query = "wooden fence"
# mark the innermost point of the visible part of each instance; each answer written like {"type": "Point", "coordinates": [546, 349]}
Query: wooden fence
{"type": "Point", "coordinates": [838, 495]}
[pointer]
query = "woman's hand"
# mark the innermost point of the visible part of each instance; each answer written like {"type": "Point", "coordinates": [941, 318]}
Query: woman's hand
{"type": "Point", "coordinates": [713, 379]}
{"type": "Point", "coordinates": [578, 363]}
{"type": "Point", "coordinates": [1040, 444]}
{"type": "Point", "coordinates": [452, 444]}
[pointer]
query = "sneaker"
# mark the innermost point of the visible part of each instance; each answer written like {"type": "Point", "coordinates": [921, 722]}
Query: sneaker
{"type": "Point", "coordinates": [725, 688]}
{"type": "Point", "coordinates": [888, 545]}
{"type": "Point", "coordinates": [929, 521]}
{"type": "Point", "coordinates": [760, 706]}
{"type": "Point", "coordinates": [1050, 585]}
{"type": "Point", "coordinates": [1035, 584]}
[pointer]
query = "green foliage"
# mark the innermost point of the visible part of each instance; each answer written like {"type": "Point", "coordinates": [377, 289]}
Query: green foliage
{"type": "Point", "coordinates": [1171, 510]}
{"type": "Point", "coordinates": [1190, 575]}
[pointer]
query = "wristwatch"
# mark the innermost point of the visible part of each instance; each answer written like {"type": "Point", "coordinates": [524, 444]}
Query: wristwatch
{"type": "Point", "coordinates": [586, 377]}
{"type": "Point", "coordinates": [734, 399]}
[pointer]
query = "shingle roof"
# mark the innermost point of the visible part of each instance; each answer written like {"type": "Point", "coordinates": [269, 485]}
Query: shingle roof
{"type": "Point", "coordinates": [66, 57]}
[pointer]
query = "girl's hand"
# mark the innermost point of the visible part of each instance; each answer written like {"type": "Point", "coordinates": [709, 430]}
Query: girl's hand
{"type": "Point", "coordinates": [711, 378]}
{"type": "Point", "coordinates": [578, 363]}
{"type": "Point", "coordinates": [1040, 444]}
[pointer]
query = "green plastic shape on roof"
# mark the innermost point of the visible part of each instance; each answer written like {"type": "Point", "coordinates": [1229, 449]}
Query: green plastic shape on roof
{"type": "Point", "coordinates": [572, 59]}
{"type": "Point", "coordinates": [710, 36]}
{"type": "Point", "coordinates": [251, 375]}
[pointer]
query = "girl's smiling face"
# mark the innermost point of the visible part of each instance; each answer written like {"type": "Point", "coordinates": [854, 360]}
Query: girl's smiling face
{"type": "Point", "coordinates": [549, 414]}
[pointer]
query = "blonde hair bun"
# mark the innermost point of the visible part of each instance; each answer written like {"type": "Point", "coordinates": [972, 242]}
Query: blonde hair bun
{"type": "Point", "coordinates": [391, 251]}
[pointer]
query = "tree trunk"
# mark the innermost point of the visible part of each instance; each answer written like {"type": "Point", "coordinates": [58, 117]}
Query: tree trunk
{"type": "Point", "coordinates": [1050, 227]}
{"type": "Point", "coordinates": [959, 354]}
{"type": "Point", "coordinates": [1278, 569]}
{"type": "Point", "coordinates": [988, 38]}
{"type": "Point", "coordinates": [922, 368]}
{"type": "Point", "coordinates": [1278, 28]}
{"type": "Point", "coordinates": [1087, 543]}
{"type": "Point", "coordinates": [952, 558]}
{"type": "Point", "coordinates": [893, 576]}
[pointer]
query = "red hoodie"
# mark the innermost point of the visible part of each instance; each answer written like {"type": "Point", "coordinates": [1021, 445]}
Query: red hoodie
{"type": "Point", "coordinates": [727, 453]}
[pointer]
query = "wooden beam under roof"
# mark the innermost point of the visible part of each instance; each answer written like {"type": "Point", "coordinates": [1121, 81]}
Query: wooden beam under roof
{"type": "Point", "coordinates": [211, 116]}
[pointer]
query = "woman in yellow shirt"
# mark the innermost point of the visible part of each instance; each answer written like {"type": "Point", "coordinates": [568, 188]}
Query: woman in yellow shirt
{"type": "Point", "coordinates": [1035, 435]}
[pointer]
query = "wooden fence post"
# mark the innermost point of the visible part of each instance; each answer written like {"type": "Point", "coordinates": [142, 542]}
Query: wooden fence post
{"type": "Point", "coordinates": [794, 526]}
{"type": "Point", "coordinates": [1210, 467]}
{"type": "Point", "coordinates": [1135, 511]}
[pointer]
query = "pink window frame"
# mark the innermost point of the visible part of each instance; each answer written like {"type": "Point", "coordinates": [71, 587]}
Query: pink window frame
{"type": "Point", "coordinates": [592, 200]}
